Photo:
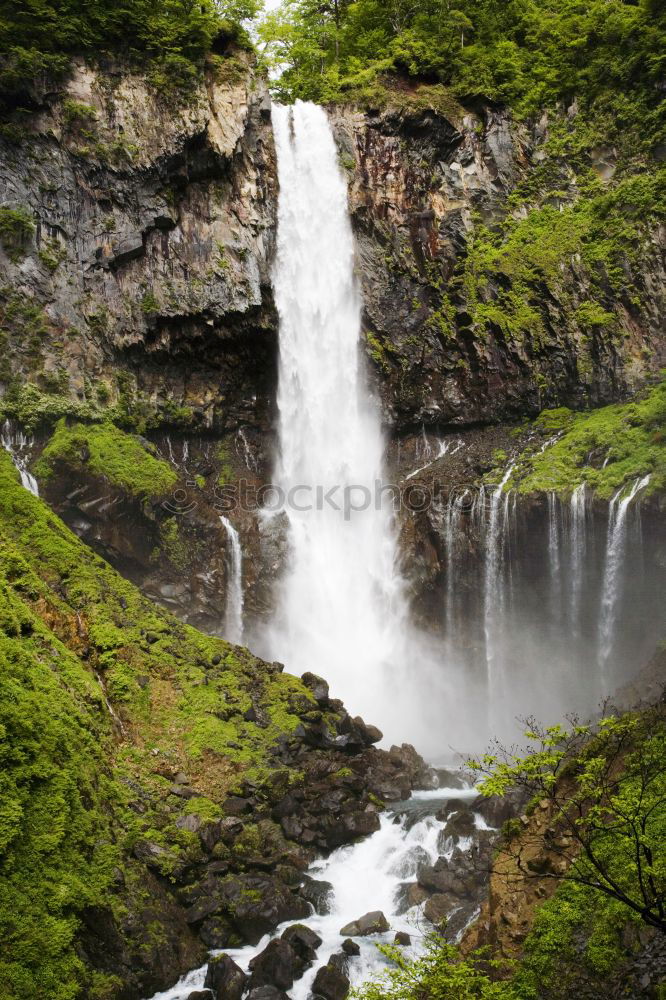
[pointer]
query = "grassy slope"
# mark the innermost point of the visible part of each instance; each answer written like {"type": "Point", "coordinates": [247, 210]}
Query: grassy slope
{"type": "Point", "coordinates": [606, 448]}
{"type": "Point", "coordinates": [179, 697]}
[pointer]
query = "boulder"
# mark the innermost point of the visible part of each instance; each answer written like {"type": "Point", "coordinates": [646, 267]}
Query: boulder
{"type": "Point", "coordinates": [370, 733]}
{"type": "Point", "coordinates": [225, 979]}
{"type": "Point", "coordinates": [402, 938]}
{"type": "Point", "coordinates": [438, 907]}
{"type": "Point", "coordinates": [267, 993]}
{"type": "Point", "coordinates": [356, 824]}
{"type": "Point", "coordinates": [259, 903]}
{"type": "Point", "coordinates": [350, 947]}
{"type": "Point", "coordinates": [497, 809]}
{"type": "Point", "coordinates": [340, 961]}
{"type": "Point", "coordinates": [330, 983]}
{"type": "Point", "coordinates": [277, 965]}
{"type": "Point", "coordinates": [460, 824]}
{"type": "Point", "coordinates": [318, 686]}
{"type": "Point", "coordinates": [436, 880]}
{"type": "Point", "coordinates": [216, 932]}
{"type": "Point", "coordinates": [373, 922]}
{"type": "Point", "coordinates": [304, 942]}
{"type": "Point", "coordinates": [318, 893]}
{"type": "Point", "coordinates": [449, 808]}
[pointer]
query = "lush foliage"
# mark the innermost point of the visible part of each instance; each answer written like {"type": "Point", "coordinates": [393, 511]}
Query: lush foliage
{"type": "Point", "coordinates": [606, 448]}
{"type": "Point", "coordinates": [529, 53]}
{"type": "Point", "coordinates": [123, 459]}
{"type": "Point", "coordinates": [439, 974]}
{"type": "Point", "coordinates": [605, 790]}
{"type": "Point", "coordinates": [75, 641]}
{"type": "Point", "coordinates": [39, 38]}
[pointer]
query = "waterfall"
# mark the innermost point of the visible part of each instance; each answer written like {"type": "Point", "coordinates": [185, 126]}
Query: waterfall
{"type": "Point", "coordinates": [234, 609]}
{"type": "Point", "coordinates": [577, 547]}
{"type": "Point", "coordinates": [340, 603]}
{"type": "Point", "coordinates": [612, 580]}
{"type": "Point", "coordinates": [554, 556]}
{"type": "Point", "coordinates": [493, 591]}
{"type": "Point", "coordinates": [16, 442]}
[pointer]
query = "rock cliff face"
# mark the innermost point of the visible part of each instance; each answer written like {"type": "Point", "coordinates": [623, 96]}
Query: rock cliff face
{"type": "Point", "coordinates": [459, 329]}
{"type": "Point", "coordinates": [137, 288]}
{"type": "Point", "coordinates": [141, 272]}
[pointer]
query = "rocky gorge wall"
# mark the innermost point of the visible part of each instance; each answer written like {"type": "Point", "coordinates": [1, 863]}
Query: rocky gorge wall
{"type": "Point", "coordinates": [137, 238]}
{"type": "Point", "coordinates": [137, 290]}
{"type": "Point", "coordinates": [488, 294]}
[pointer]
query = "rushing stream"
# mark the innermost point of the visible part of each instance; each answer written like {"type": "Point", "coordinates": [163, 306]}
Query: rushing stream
{"type": "Point", "coordinates": [365, 876]}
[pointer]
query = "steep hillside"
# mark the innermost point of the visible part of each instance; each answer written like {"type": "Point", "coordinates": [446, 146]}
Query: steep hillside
{"type": "Point", "coordinates": [147, 769]}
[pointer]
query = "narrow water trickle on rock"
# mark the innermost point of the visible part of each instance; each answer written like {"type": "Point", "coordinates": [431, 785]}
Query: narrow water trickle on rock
{"type": "Point", "coordinates": [613, 579]}
{"type": "Point", "coordinates": [234, 609]}
{"type": "Point", "coordinates": [16, 444]}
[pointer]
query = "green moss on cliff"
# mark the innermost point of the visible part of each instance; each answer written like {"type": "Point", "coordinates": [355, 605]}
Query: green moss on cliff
{"type": "Point", "coordinates": [106, 451]}
{"type": "Point", "coordinates": [102, 694]}
{"type": "Point", "coordinates": [606, 448]}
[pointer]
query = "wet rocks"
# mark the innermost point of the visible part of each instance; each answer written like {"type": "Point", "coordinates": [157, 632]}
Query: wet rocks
{"type": "Point", "coordinates": [402, 938]}
{"type": "Point", "coordinates": [357, 824]}
{"type": "Point", "coordinates": [277, 965]}
{"type": "Point", "coordinates": [267, 993]}
{"type": "Point", "coordinates": [318, 686]}
{"type": "Point", "coordinates": [304, 942]}
{"type": "Point", "coordinates": [331, 982]}
{"type": "Point", "coordinates": [318, 893]}
{"type": "Point", "coordinates": [373, 922]}
{"type": "Point", "coordinates": [225, 979]}
{"type": "Point", "coordinates": [438, 906]}
{"type": "Point", "coordinates": [350, 948]}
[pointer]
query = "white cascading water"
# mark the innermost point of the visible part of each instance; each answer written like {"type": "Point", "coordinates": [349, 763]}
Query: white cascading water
{"type": "Point", "coordinates": [234, 605]}
{"type": "Point", "coordinates": [554, 548]}
{"type": "Point", "coordinates": [494, 596]}
{"type": "Point", "coordinates": [16, 442]}
{"type": "Point", "coordinates": [577, 547]}
{"type": "Point", "coordinates": [365, 876]}
{"type": "Point", "coordinates": [341, 605]}
{"type": "Point", "coordinates": [612, 581]}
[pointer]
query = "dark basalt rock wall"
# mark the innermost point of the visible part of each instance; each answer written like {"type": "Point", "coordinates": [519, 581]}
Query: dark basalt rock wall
{"type": "Point", "coordinates": [147, 272]}
{"type": "Point", "coordinates": [421, 184]}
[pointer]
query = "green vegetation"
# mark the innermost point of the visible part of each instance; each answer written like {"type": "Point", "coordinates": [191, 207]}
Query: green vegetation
{"type": "Point", "coordinates": [529, 54]}
{"type": "Point", "coordinates": [16, 228]}
{"type": "Point", "coordinates": [175, 37]}
{"type": "Point", "coordinates": [604, 791]}
{"type": "Point", "coordinates": [501, 277]}
{"type": "Point", "coordinates": [605, 448]}
{"type": "Point", "coordinates": [440, 974]}
{"type": "Point", "coordinates": [121, 458]}
{"type": "Point", "coordinates": [73, 634]}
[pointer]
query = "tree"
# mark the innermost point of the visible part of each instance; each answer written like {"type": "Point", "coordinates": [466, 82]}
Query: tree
{"type": "Point", "coordinates": [605, 792]}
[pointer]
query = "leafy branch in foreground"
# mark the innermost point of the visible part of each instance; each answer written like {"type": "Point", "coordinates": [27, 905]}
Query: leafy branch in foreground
{"type": "Point", "coordinates": [439, 974]}
{"type": "Point", "coordinates": [605, 793]}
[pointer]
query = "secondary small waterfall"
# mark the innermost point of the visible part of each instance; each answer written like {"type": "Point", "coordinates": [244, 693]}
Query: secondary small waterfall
{"type": "Point", "coordinates": [16, 442]}
{"type": "Point", "coordinates": [612, 581]}
{"type": "Point", "coordinates": [554, 553]}
{"type": "Point", "coordinates": [341, 606]}
{"type": "Point", "coordinates": [497, 517]}
{"type": "Point", "coordinates": [234, 608]}
{"type": "Point", "coordinates": [577, 546]}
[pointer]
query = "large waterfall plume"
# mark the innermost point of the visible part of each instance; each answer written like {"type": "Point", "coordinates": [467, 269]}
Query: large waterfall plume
{"type": "Point", "coordinates": [341, 603]}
